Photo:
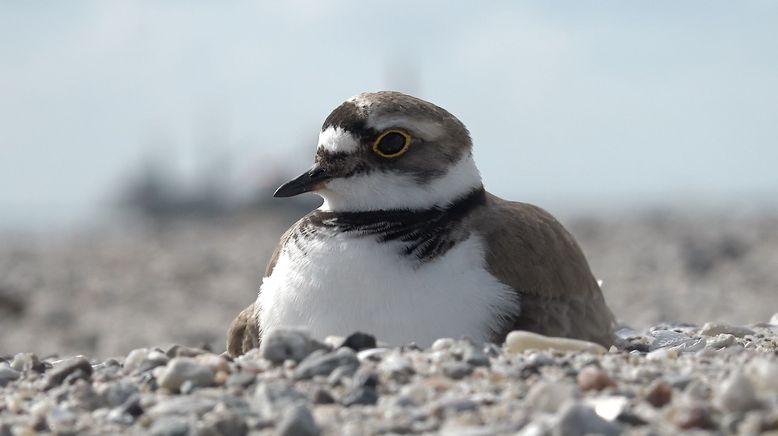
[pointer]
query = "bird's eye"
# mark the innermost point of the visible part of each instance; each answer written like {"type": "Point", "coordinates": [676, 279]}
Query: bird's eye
{"type": "Point", "coordinates": [392, 143]}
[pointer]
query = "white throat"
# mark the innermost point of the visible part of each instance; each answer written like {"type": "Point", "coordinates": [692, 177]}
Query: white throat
{"type": "Point", "coordinates": [392, 190]}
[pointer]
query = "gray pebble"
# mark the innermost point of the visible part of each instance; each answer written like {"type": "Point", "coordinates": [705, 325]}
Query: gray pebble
{"type": "Point", "coordinates": [65, 368]}
{"type": "Point", "coordinates": [184, 369]}
{"type": "Point", "coordinates": [324, 364]}
{"type": "Point", "coordinates": [474, 356]}
{"type": "Point", "coordinates": [182, 405]}
{"type": "Point", "coordinates": [723, 340]}
{"type": "Point", "coordinates": [8, 375]}
{"type": "Point", "coordinates": [27, 362]}
{"type": "Point", "coordinates": [575, 419]}
{"type": "Point", "coordinates": [170, 426]}
{"type": "Point", "coordinates": [226, 424]}
{"type": "Point", "coordinates": [272, 398]}
{"type": "Point", "coordinates": [288, 344]}
{"type": "Point", "coordinates": [456, 370]}
{"type": "Point", "coordinates": [546, 396]}
{"type": "Point", "coordinates": [242, 379]}
{"type": "Point", "coordinates": [361, 395]}
{"type": "Point", "coordinates": [736, 394]}
{"type": "Point", "coordinates": [715, 328]}
{"type": "Point", "coordinates": [298, 421]}
{"type": "Point", "coordinates": [116, 393]}
{"type": "Point", "coordinates": [667, 338]}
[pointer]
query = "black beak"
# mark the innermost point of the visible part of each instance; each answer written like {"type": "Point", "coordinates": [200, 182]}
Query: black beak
{"type": "Point", "coordinates": [307, 182]}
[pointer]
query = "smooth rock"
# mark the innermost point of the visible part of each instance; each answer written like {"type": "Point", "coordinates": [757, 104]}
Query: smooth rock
{"type": "Point", "coordinates": [519, 341]}
{"type": "Point", "coordinates": [288, 344]}
{"type": "Point", "coordinates": [134, 359]}
{"type": "Point", "coordinates": [361, 395]}
{"type": "Point", "coordinates": [170, 426]}
{"type": "Point", "coordinates": [116, 393]}
{"type": "Point", "coordinates": [298, 421]}
{"type": "Point", "coordinates": [667, 338]}
{"type": "Point", "coordinates": [442, 344]}
{"type": "Point", "coordinates": [273, 397]}
{"type": "Point", "coordinates": [321, 396]}
{"type": "Point", "coordinates": [397, 367]}
{"type": "Point", "coordinates": [323, 364]}
{"type": "Point", "coordinates": [593, 378]}
{"type": "Point", "coordinates": [763, 374]}
{"type": "Point", "coordinates": [774, 319]}
{"type": "Point", "coordinates": [61, 420]}
{"type": "Point", "coordinates": [475, 356]}
{"type": "Point", "coordinates": [224, 423]}
{"type": "Point", "coordinates": [242, 379]}
{"type": "Point", "coordinates": [692, 416]}
{"type": "Point", "coordinates": [659, 393]}
{"type": "Point", "coordinates": [736, 394]}
{"type": "Point", "coordinates": [7, 375]}
{"type": "Point", "coordinates": [723, 340]}
{"type": "Point", "coordinates": [608, 408]}
{"type": "Point", "coordinates": [183, 405]}
{"type": "Point", "coordinates": [662, 354]}
{"type": "Point", "coordinates": [359, 341]}
{"type": "Point", "coordinates": [715, 328]}
{"type": "Point", "coordinates": [575, 419]}
{"type": "Point", "coordinates": [546, 396]}
{"type": "Point", "coordinates": [185, 369]}
{"type": "Point", "coordinates": [456, 370]}
{"type": "Point", "coordinates": [57, 375]}
{"type": "Point", "coordinates": [27, 362]}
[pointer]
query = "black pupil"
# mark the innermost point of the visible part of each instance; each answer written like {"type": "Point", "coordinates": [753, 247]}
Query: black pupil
{"type": "Point", "coordinates": [391, 143]}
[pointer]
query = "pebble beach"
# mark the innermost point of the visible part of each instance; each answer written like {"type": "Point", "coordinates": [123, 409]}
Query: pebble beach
{"type": "Point", "coordinates": [120, 330]}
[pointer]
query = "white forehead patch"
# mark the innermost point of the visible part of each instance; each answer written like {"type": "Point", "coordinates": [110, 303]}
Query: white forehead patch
{"type": "Point", "coordinates": [337, 140]}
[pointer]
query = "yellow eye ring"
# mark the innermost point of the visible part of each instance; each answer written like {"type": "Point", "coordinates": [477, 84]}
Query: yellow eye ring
{"type": "Point", "coordinates": [392, 143]}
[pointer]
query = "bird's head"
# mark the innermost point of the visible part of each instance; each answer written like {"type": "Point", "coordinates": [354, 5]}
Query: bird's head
{"type": "Point", "coordinates": [387, 150]}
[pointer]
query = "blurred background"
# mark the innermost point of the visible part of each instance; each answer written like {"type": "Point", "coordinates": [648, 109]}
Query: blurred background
{"type": "Point", "coordinates": [140, 143]}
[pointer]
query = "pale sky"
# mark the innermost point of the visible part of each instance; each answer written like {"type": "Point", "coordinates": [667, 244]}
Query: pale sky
{"type": "Point", "coordinates": [565, 100]}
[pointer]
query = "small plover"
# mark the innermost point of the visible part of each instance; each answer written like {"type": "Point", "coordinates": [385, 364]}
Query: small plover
{"type": "Point", "coordinates": [408, 245]}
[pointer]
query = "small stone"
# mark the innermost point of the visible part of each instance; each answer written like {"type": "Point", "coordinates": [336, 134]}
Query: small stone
{"type": "Point", "coordinates": [183, 405]}
{"type": "Point", "coordinates": [134, 359]}
{"type": "Point", "coordinates": [216, 363]}
{"type": "Point", "coordinates": [8, 375]}
{"type": "Point", "coordinates": [398, 367]}
{"type": "Point", "coordinates": [442, 344]}
{"type": "Point", "coordinates": [659, 393]}
{"type": "Point", "coordinates": [608, 408]}
{"type": "Point", "coordinates": [170, 426]}
{"type": "Point", "coordinates": [185, 369]}
{"type": "Point", "coordinates": [456, 370]}
{"type": "Point", "coordinates": [691, 416]}
{"type": "Point", "coordinates": [594, 378]}
{"type": "Point", "coordinates": [116, 393]}
{"type": "Point", "coordinates": [274, 397]}
{"type": "Point", "coordinates": [27, 362]}
{"type": "Point", "coordinates": [723, 340]}
{"type": "Point", "coordinates": [359, 341]}
{"type": "Point", "coordinates": [61, 420]}
{"type": "Point", "coordinates": [288, 344]}
{"type": "Point", "coordinates": [546, 396]}
{"type": "Point", "coordinates": [298, 421]}
{"type": "Point", "coordinates": [763, 374]}
{"type": "Point", "coordinates": [228, 424]}
{"type": "Point", "coordinates": [65, 368]}
{"type": "Point", "coordinates": [575, 419]}
{"type": "Point", "coordinates": [474, 356]}
{"type": "Point", "coordinates": [321, 396]}
{"type": "Point", "coordinates": [667, 338]}
{"type": "Point", "coordinates": [662, 354]}
{"type": "Point", "coordinates": [361, 395]}
{"type": "Point", "coordinates": [181, 351]}
{"type": "Point", "coordinates": [154, 359]}
{"type": "Point", "coordinates": [715, 328]}
{"type": "Point", "coordinates": [774, 319]}
{"type": "Point", "coordinates": [519, 340]}
{"type": "Point", "coordinates": [736, 394]}
{"type": "Point", "coordinates": [323, 364]}
{"type": "Point", "coordinates": [242, 379]}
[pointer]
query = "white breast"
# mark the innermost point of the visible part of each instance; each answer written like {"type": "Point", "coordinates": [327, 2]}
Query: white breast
{"type": "Point", "coordinates": [344, 284]}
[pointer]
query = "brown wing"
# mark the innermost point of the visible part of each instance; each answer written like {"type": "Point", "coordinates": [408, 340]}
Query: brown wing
{"type": "Point", "coordinates": [243, 334]}
{"type": "Point", "coordinates": [530, 251]}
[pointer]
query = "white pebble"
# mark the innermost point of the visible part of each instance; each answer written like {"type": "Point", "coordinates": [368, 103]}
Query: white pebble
{"type": "Point", "coordinates": [519, 340]}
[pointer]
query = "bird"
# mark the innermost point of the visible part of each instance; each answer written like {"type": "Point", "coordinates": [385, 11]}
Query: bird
{"type": "Point", "coordinates": [410, 247]}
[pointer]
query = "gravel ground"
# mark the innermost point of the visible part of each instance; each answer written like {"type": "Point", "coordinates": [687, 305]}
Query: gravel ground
{"type": "Point", "coordinates": [716, 378]}
{"type": "Point", "coordinates": [119, 290]}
